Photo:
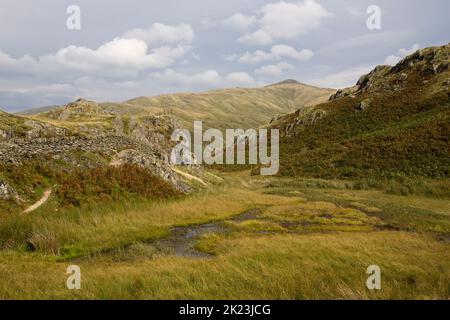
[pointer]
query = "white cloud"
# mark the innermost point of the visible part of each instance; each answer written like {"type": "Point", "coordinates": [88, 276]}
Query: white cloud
{"type": "Point", "coordinates": [119, 57]}
{"type": "Point", "coordinates": [283, 20]}
{"type": "Point", "coordinates": [289, 52]}
{"type": "Point", "coordinates": [110, 70]}
{"type": "Point", "coordinates": [210, 78]}
{"type": "Point", "coordinates": [273, 70]}
{"type": "Point", "coordinates": [240, 21]}
{"type": "Point", "coordinates": [160, 33]}
{"type": "Point", "coordinates": [240, 79]}
{"type": "Point", "coordinates": [365, 42]}
{"type": "Point", "coordinates": [392, 60]}
{"type": "Point", "coordinates": [342, 79]}
{"type": "Point", "coordinates": [259, 37]}
{"type": "Point", "coordinates": [256, 57]}
{"type": "Point", "coordinates": [401, 53]}
{"type": "Point", "coordinates": [406, 52]}
{"type": "Point", "coordinates": [276, 53]}
{"type": "Point", "coordinates": [231, 57]}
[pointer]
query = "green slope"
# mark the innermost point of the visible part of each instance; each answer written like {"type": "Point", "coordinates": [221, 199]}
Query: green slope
{"type": "Point", "coordinates": [395, 123]}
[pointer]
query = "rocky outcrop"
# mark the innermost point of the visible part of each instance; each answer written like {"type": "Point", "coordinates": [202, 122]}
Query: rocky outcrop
{"type": "Point", "coordinates": [100, 138]}
{"type": "Point", "coordinates": [427, 68]}
{"type": "Point", "coordinates": [347, 92]}
{"type": "Point", "coordinates": [17, 151]}
{"type": "Point", "coordinates": [42, 130]}
{"type": "Point", "coordinates": [7, 192]}
{"type": "Point", "coordinates": [363, 105]}
{"type": "Point", "coordinates": [433, 60]}
{"type": "Point", "coordinates": [423, 63]}
{"type": "Point", "coordinates": [315, 116]}
{"type": "Point", "coordinates": [150, 162]}
{"type": "Point", "coordinates": [80, 108]}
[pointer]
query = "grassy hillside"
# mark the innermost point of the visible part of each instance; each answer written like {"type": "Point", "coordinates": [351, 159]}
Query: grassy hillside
{"type": "Point", "coordinates": [226, 108]}
{"type": "Point", "coordinates": [236, 108]}
{"type": "Point", "coordinates": [395, 123]}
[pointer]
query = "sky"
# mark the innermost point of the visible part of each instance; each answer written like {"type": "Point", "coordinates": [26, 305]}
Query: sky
{"type": "Point", "coordinates": [55, 51]}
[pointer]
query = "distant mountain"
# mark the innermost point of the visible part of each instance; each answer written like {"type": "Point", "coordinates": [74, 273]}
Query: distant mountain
{"type": "Point", "coordinates": [96, 151]}
{"type": "Point", "coordinates": [226, 108]}
{"type": "Point", "coordinates": [394, 123]}
{"type": "Point", "coordinates": [34, 111]}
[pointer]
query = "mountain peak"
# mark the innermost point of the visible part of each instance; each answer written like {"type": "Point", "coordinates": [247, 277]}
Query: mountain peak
{"type": "Point", "coordinates": [287, 81]}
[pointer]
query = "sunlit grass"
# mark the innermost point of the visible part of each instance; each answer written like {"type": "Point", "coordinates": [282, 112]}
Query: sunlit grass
{"type": "Point", "coordinates": [264, 267]}
{"type": "Point", "coordinates": [303, 243]}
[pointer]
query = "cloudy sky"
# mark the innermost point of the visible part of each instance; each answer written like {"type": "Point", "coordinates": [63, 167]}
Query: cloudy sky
{"type": "Point", "coordinates": [131, 48]}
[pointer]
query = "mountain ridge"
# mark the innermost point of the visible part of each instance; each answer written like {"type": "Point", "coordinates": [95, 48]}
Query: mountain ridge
{"type": "Point", "coordinates": [220, 108]}
{"type": "Point", "coordinates": [268, 102]}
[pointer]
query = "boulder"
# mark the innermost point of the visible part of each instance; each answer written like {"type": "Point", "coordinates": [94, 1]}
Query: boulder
{"type": "Point", "coordinates": [363, 105]}
{"type": "Point", "coordinates": [7, 192]}
{"type": "Point", "coordinates": [150, 162]}
{"type": "Point", "coordinates": [315, 116]}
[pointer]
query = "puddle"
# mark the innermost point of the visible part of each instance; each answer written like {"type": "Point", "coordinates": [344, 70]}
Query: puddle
{"type": "Point", "coordinates": [181, 241]}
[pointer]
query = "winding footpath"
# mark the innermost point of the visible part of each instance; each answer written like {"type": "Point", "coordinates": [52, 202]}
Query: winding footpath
{"type": "Point", "coordinates": [41, 201]}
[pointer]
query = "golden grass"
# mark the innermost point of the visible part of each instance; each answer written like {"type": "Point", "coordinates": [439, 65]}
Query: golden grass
{"type": "Point", "coordinates": [264, 267]}
{"type": "Point", "coordinates": [82, 231]}
{"type": "Point", "coordinates": [304, 244]}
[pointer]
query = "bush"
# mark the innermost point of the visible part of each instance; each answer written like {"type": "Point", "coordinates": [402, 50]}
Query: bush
{"type": "Point", "coordinates": [111, 183]}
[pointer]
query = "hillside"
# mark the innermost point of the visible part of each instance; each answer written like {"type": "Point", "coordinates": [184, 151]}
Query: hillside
{"type": "Point", "coordinates": [394, 123]}
{"type": "Point", "coordinates": [33, 111]}
{"type": "Point", "coordinates": [236, 108]}
{"type": "Point", "coordinates": [105, 158]}
{"type": "Point", "coordinates": [85, 147]}
{"type": "Point", "coordinates": [226, 108]}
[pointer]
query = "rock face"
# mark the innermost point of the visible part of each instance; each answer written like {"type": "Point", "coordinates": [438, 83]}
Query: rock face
{"type": "Point", "coordinates": [344, 93]}
{"type": "Point", "coordinates": [7, 192]}
{"type": "Point", "coordinates": [363, 105]}
{"type": "Point", "coordinates": [19, 150]}
{"type": "Point", "coordinates": [315, 116]}
{"type": "Point", "coordinates": [42, 130]}
{"type": "Point", "coordinates": [89, 136]}
{"type": "Point", "coordinates": [425, 63]}
{"type": "Point", "coordinates": [150, 162]}
{"type": "Point", "coordinates": [81, 108]}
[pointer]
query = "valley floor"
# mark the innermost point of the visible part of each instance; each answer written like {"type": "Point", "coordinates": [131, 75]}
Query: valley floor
{"type": "Point", "coordinates": [243, 238]}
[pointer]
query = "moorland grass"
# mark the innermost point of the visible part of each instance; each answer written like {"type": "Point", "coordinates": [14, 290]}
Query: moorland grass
{"type": "Point", "coordinates": [305, 243]}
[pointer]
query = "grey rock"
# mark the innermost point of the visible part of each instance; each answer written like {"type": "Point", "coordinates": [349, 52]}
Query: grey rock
{"type": "Point", "coordinates": [315, 116]}
{"type": "Point", "coordinates": [363, 105]}
{"type": "Point", "coordinates": [7, 192]}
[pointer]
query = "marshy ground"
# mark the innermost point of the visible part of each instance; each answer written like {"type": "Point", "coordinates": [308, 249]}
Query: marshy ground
{"type": "Point", "coordinates": [243, 238]}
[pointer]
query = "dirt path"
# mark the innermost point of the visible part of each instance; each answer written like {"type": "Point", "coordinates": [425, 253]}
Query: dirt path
{"type": "Point", "coordinates": [189, 176]}
{"type": "Point", "coordinates": [43, 200]}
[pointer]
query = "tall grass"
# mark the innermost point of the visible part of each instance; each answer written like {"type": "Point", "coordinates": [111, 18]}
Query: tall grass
{"type": "Point", "coordinates": [327, 266]}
